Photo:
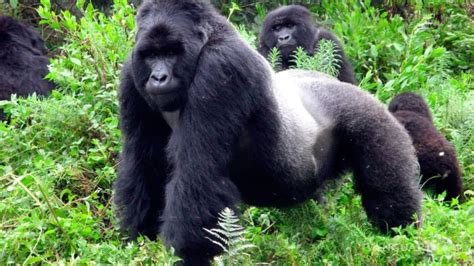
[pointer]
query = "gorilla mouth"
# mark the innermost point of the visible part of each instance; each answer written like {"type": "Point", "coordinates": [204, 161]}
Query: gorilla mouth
{"type": "Point", "coordinates": [287, 51]}
{"type": "Point", "coordinates": [285, 45]}
{"type": "Point", "coordinates": [169, 88]}
{"type": "Point", "coordinates": [287, 48]}
{"type": "Point", "coordinates": [163, 91]}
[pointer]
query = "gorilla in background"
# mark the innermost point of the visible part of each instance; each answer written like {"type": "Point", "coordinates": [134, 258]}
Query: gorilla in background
{"type": "Point", "coordinates": [23, 64]}
{"type": "Point", "coordinates": [289, 27]}
{"type": "Point", "coordinates": [439, 166]}
{"type": "Point", "coordinates": [207, 124]}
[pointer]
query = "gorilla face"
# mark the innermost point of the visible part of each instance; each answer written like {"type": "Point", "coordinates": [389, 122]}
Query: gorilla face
{"type": "Point", "coordinates": [287, 28]}
{"type": "Point", "coordinates": [165, 59]}
{"type": "Point", "coordinates": [284, 35]}
{"type": "Point", "coordinates": [156, 64]}
{"type": "Point", "coordinates": [410, 102]}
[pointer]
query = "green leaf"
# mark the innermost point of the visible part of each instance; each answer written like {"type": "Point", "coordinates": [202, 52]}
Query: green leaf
{"type": "Point", "coordinates": [14, 4]}
{"type": "Point", "coordinates": [76, 61]}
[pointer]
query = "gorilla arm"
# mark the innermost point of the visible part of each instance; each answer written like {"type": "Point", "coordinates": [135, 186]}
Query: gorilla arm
{"type": "Point", "coordinates": [201, 148]}
{"type": "Point", "coordinates": [139, 188]}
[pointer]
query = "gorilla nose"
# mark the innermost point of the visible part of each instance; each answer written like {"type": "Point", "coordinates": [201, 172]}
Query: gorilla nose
{"type": "Point", "coordinates": [284, 38]}
{"type": "Point", "coordinates": [161, 82]}
{"type": "Point", "coordinates": [160, 79]}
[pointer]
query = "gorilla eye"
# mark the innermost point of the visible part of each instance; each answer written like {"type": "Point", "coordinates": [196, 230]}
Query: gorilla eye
{"type": "Point", "coordinates": [276, 27]}
{"type": "Point", "coordinates": [289, 25]}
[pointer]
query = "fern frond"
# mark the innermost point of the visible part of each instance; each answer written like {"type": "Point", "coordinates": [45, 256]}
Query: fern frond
{"type": "Point", "coordinates": [229, 236]}
{"type": "Point", "coordinates": [326, 58]}
{"type": "Point", "coordinates": [274, 57]}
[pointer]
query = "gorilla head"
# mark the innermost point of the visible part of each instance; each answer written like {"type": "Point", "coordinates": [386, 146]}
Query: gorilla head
{"type": "Point", "coordinates": [289, 27]}
{"type": "Point", "coordinates": [410, 102]}
{"type": "Point", "coordinates": [286, 28]}
{"type": "Point", "coordinates": [166, 58]}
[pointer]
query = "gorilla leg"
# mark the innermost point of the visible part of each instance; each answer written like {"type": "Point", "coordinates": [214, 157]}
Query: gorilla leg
{"type": "Point", "coordinates": [139, 189]}
{"type": "Point", "coordinates": [381, 153]}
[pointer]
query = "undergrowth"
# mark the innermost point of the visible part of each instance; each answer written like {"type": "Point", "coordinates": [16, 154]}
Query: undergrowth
{"type": "Point", "coordinates": [59, 154]}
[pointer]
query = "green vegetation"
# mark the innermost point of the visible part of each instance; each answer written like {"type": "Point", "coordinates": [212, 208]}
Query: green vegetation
{"type": "Point", "coordinates": [324, 60]}
{"type": "Point", "coordinates": [230, 236]}
{"type": "Point", "coordinates": [59, 154]}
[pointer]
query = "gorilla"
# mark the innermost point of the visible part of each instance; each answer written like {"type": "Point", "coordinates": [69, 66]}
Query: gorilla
{"type": "Point", "coordinates": [439, 166]}
{"type": "Point", "coordinates": [291, 26]}
{"type": "Point", "coordinates": [23, 64]}
{"type": "Point", "coordinates": [207, 124]}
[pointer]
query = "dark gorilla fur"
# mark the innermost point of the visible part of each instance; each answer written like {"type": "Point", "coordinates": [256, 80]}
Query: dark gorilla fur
{"type": "Point", "coordinates": [306, 34]}
{"type": "Point", "coordinates": [23, 63]}
{"type": "Point", "coordinates": [207, 124]}
{"type": "Point", "coordinates": [439, 166]}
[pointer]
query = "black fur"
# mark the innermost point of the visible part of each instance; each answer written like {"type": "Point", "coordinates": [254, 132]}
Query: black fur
{"type": "Point", "coordinates": [224, 136]}
{"type": "Point", "coordinates": [306, 35]}
{"type": "Point", "coordinates": [23, 63]}
{"type": "Point", "coordinates": [439, 166]}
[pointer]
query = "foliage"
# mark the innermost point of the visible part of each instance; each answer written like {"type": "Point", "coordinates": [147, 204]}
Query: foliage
{"type": "Point", "coordinates": [325, 59]}
{"type": "Point", "coordinates": [246, 35]}
{"type": "Point", "coordinates": [397, 56]}
{"type": "Point", "coordinates": [229, 235]}
{"type": "Point", "coordinates": [338, 233]}
{"type": "Point", "coordinates": [274, 57]}
{"type": "Point", "coordinates": [59, 154]}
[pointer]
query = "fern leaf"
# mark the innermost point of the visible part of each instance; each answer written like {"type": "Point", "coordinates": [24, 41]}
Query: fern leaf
{"type": "Point", "coordinates": [229, 236]}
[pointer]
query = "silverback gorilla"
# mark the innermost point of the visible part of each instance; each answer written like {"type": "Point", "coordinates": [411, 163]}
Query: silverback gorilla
{"type": "Point", "coordinates": [439, 166]}
{"type": "Point", "coordinates": [289, 27]}
{"type": "Point", "coordinates": [207, 124]}
{"type": "Point", "coordinates": [23, 63]}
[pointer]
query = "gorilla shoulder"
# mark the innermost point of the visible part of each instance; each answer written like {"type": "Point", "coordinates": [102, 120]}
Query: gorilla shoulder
{"type": "Point", "coordinates": [21, 46]}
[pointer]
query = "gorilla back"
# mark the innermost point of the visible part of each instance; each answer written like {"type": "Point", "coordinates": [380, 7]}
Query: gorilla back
{"type": "Point", "coordinates": [23, 64]}
{"type": "Point", "coordinates": [207, 124]}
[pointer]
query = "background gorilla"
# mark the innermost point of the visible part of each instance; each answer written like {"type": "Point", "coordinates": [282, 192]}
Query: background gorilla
{"type": "Point", "coordinates": [291, 26]}
{"type": "Point", "coordinates": [23, 63]}
{"type": "Point", "coordinates": [207, 124]}
{"type": "Point", "coordinates": [439, 166]}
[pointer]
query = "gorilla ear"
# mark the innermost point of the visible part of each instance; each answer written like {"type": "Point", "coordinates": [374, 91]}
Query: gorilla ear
{"type": "Point", "coordinates": [203, 36]}
{"type": "Point", "coordinates": [203, 32]}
